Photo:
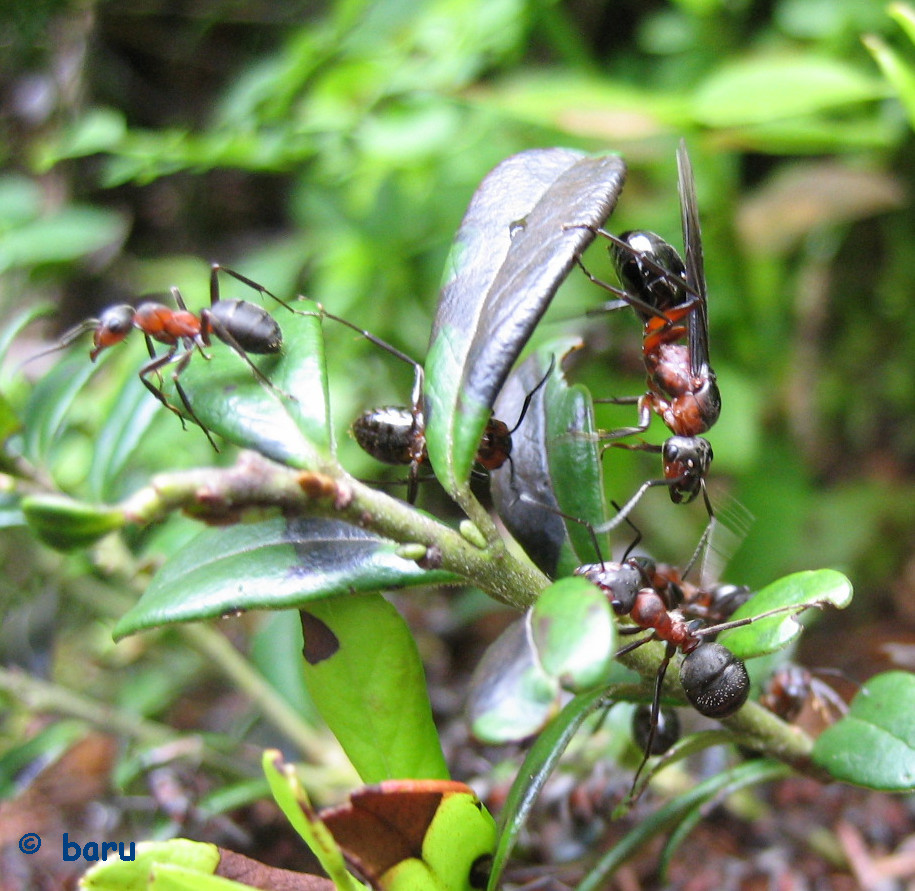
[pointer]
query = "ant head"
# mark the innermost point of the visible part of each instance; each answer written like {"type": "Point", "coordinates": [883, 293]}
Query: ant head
{"type": "Point", "coordinates": [686, 462]}
{"type": "Point", "coordinates": [113, 326]}
{"type": "Point", "coordinates": [495, 446]}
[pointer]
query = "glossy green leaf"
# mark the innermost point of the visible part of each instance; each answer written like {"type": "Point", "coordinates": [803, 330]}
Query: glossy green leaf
{"type": "Point", "coordinates": [874, 744]}
{"type": "Point", "coordinates": [9, 420]}
{"type": "Point", "coordinates": [904, 16]}
{"type": "Point", "coordinates": [229, 400]}
{"type": "Point", "coordinates": [824, 586]}
{"type": "Point", "coordinates": [66, 524]}
{"type": "Point", "coordinates": [512, 251]}
{"type": "Point", "coordinates": [576, 470]}
{"type": "Point", "coordinates": [539, 763]}
{"type": "Point", "coordinates": [273, 564]}
{"type": "Point", "coordinates": [366, 678]}
{"type": "Point", "coordinates": [555, 468]}
{"type": "Point", "coordinates": [510, 697]}
{"type": "Point", "coordinates": [573, 630]}
{"type": "Point", "coordinates": [898, 71]}
{"type": "Point", "coordinates": [765, 88]}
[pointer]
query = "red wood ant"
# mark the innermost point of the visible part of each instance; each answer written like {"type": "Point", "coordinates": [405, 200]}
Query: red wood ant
{"type": "Point", "coordinates": [714, 680]}
{"type": "Point", "coordinates": [241, 325]}
{"type": "Point", "coordinates": [670, 297]}
{"type": "Point", "coordinates": [791, 688]}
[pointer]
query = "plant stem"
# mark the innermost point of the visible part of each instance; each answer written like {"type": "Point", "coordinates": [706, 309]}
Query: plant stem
{"type": "Point", "coordinates": [219, 495]}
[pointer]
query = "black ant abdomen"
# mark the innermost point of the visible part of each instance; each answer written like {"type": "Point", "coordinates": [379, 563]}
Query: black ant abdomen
{"type": "Point", "coordinates": [715, 681]}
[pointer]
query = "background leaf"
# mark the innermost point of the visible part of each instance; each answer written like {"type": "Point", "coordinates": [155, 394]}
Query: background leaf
{"type": "Point", "coordinates": [874, 744]}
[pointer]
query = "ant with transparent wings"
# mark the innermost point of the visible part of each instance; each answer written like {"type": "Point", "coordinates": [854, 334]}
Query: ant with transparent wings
{"type": "Point", "coordinates": [396, 435]}
{"type": "Point", "coordinates": [714, 680]}
{"type": "Point", "coordinates": [669, 295]}
{"type": "Point", "coordinates": [241, 325]}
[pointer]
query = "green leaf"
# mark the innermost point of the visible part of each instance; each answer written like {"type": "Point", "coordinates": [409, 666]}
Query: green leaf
{"type": "Point", "coordinates": [70, 234]}
{"type": "Point", "coordinates": [9, 420]}
{"type": "Point", "coordinates": [517, 242]}
{"type": "Point", "coordinates": [576, 470]}
{"type": "Point", "coordinates": [229, 400]}
{"type": "Point", "coordinates": [66, 524]}
{"type": "Point", "coordinates": [874, 744]}
{"type": "Point", "coordinates": [765, 88]}
{"type": "Point", "coordinates": [539, 763]}
{"type": "Point", "coordinates": [574, 632]}
{"type": "Point", "coordinates": [50, 403]}
{"type": "Point", "coordinates": [273, 564]}
{"type": "Point", "coordinates": [897, 70]}
{"type": "Point", "coordinates": [511, 697]}
{"type": "Point", "coordinates": [122, 875]}
{"type": "Point", "coordinates": [555, 467]}
{"type": "Point", "coordinates": [293, 802]}
{"type": "Point", "coordinates": [366, 679]}
{"type": "Point", "coordinates": [823, 586]}
{"type": "Point", "coordinates": [126, 424]}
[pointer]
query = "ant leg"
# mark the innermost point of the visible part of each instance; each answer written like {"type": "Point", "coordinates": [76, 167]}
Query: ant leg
{"type": "Point", "coordinates": [215, 269]}
{"type": "Point", "coordinates": [644, 422]}
{"type": "Point", "coordinates": [156, 366]}
{"type": "Point", "coordinates": [187, 407]}
{"type": "Point", "coordinates": [527, 399]}
{"type": "Point", "coordinates": [653, 720]}
{"type": "Point", "coordinates": [630, 504]}
{"type": "Point", "coordinates": [210, 322]}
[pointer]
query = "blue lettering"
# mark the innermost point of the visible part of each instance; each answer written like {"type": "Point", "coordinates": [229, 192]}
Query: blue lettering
{"type": "Point", "coordinates": [90, 852]}
{"type": "Point", "coordinates": [67, 846]}
{"type": "Point", "coordinates": [105, 848]}
{"type": "Point", "coordinates": [133, 851]}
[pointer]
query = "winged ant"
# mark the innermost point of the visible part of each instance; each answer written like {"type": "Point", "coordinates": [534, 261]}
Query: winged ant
{"type": "Point", "coordinates": [669, 295]}
{"type": "Point", "coordinates": [245, 327]}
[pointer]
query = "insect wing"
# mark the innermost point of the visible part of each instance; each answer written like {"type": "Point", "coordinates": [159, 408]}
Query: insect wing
{"type": "Point", "coordinates": [695, 267]}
